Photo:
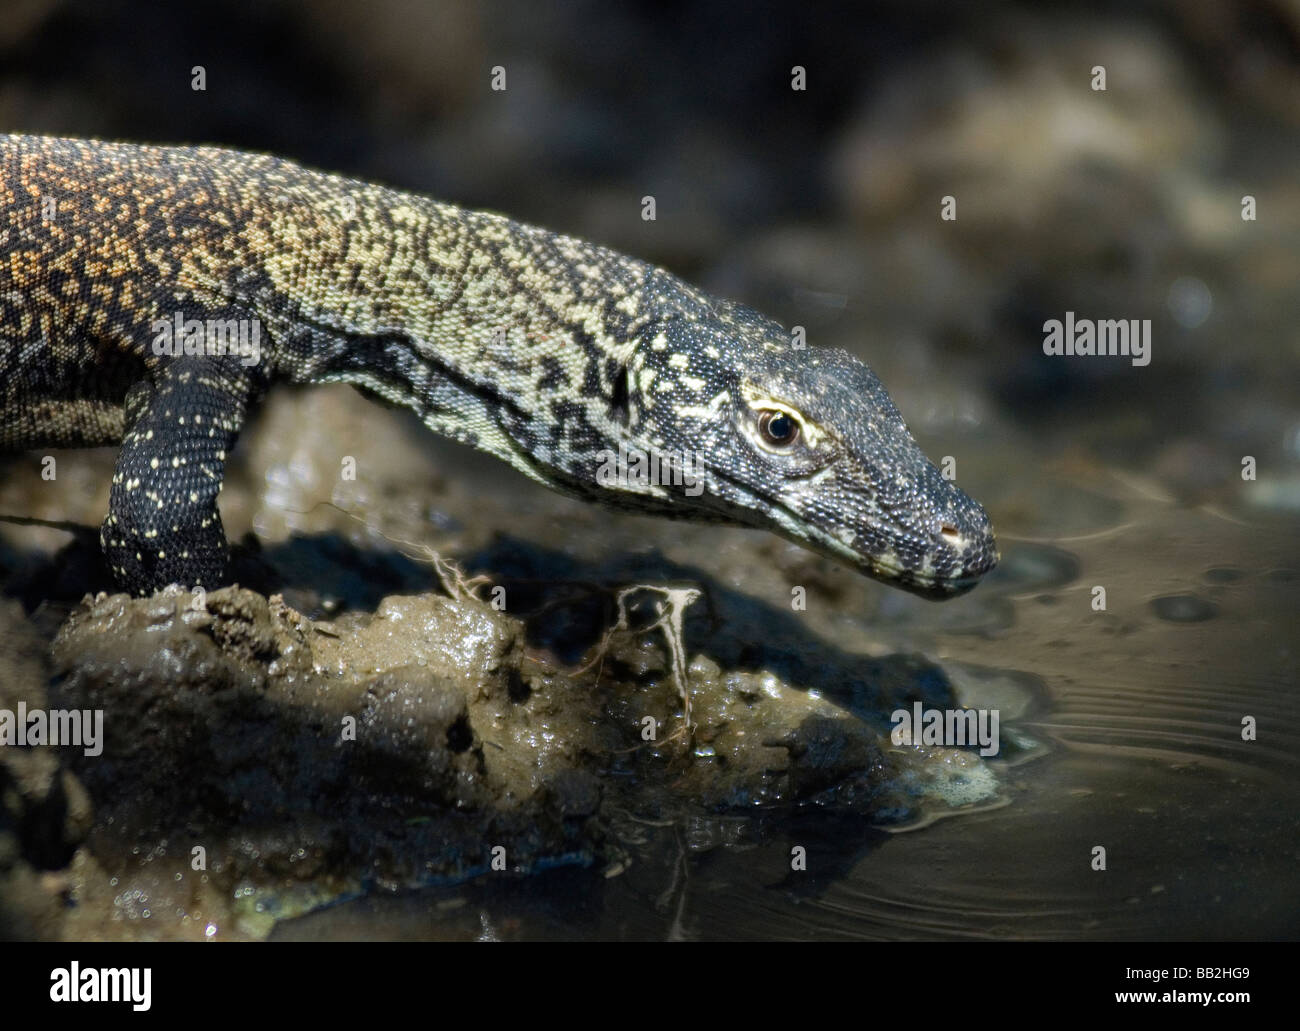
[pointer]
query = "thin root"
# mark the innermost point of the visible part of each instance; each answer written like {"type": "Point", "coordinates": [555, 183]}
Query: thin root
{"type": "Point", "coordinates": [670, 609]}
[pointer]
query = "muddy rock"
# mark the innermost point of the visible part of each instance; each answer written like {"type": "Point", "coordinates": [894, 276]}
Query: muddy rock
{"type": "Point", "coordinates": [257, 763]}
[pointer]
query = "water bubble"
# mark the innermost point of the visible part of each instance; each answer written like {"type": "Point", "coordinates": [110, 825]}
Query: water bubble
{"type": "Point", "coordinates": [1184, 608]}
{"type": "Point", "coordinates": [1190, 301]}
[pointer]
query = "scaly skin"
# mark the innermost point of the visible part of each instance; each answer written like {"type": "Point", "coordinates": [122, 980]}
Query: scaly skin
{"type": "Point", "coordinates": [541, 349]}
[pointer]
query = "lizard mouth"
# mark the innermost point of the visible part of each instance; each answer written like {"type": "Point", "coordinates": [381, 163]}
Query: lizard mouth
{"type": "Point", "coordinates": [925, 584]}
{"type": "Point", "coordinates": [777, 516]}
{"type": "Point", "coordinates": [932, 589]}
{"type": "Point", "coordinates": [919, 582]}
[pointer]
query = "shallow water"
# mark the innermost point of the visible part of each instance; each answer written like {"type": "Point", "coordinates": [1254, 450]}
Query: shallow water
{"type": "Point", "coordinates": [1129, 726]}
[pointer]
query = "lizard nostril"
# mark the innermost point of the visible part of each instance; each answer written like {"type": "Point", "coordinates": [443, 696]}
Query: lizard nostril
{"type": "Point", "coordinates": [950, 531]}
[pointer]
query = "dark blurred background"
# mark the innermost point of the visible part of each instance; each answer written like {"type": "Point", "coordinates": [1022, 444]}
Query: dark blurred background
{"type": "Point", "coordinates": [819, 206]}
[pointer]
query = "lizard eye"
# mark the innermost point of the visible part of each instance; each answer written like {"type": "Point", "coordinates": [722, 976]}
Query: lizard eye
{"type": "Point", "coordinates": [778, 430]}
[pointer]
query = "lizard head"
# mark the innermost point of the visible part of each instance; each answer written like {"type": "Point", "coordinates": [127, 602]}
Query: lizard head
{"type": "Point", "coordinates": [804, 442]}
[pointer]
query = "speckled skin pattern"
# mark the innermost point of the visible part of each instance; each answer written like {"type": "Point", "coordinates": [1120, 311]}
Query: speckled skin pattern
{"type": "Point", "coordinates": [541, 349]}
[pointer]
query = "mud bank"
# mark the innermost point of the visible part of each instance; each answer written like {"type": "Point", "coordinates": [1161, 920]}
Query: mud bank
{"type": "Point", "coordinates": [257, 763]}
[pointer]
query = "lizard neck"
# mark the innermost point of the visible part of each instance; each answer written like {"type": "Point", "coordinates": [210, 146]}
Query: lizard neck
{"type": "Point", "coordinates": [497, 334]}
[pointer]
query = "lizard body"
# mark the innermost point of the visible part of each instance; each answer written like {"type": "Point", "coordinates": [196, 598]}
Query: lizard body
{"type": "Point", "coordinates": [150, 295]}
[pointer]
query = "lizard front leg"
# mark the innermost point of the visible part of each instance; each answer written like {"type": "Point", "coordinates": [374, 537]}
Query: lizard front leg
{"type": "Point", "coordinates": [163, 526]}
